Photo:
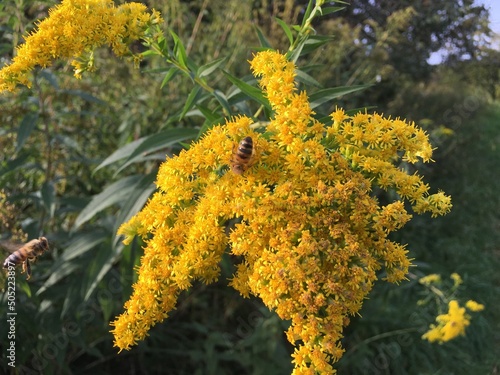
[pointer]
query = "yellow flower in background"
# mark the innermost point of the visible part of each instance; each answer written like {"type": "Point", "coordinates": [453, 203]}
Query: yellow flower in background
{"type": "Point", "coordinates": [430, 279]}
{"type": "Point", "coordinates": [450, 325]}
{"type": "Point", "coordinates": [453, 323]}
{"type": "Point", "coordinates": [309, 234]}
{"type": "Point", "coordinates": [73, 30]}
{"type": "Point", "coordinates": [474, 306]}
{"type": "Point", "coordinates": [457, 279]}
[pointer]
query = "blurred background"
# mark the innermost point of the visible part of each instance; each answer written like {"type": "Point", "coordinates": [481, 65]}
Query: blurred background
{"type": "Point", "coordinates": [67, 171]}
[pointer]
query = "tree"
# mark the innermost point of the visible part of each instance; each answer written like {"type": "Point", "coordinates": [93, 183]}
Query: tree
{"type": "Point", "coordinates": [389, 43]}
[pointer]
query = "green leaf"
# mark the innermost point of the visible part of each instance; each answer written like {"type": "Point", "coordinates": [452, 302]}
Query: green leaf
{"type": "Point", "coordinates": [85, 96]}
{"type": "Point", "coordinates": [137, 197]}
{"type": "Point", "coordinates": [252, 92]}
{"type": "Point", "coordinates": [314, 42]}
{"type": "Point", "coordinates": [113, 194]}
{"type": "Point", "coordinates": [179, 50]}
{"type": "Point", "coordinates": [13, 164]}
{"type": "Point", "coordinates": [209, 68]}
{"type": "Point", "coordinates": [25, 287]}
{"type": "Point", "coordinates": [107, 306]}
{"type": "Point", "coordinates": [171, 73]}
{"type": "Point", "coordinates": [323, 96]}
{"type": "Point", "coordinates": [190, 101]}
{"type": "Point", "coordinates": [286, 29]}
{"type": "Point", "coordinates": [221, 98]}
{"type": "Point", "coordinates": [209, 115]}
{"type": "Point", "coordinates": [306, 78]}
{"type": "Point", "coordinates": [307, 12]}
{"type": "Point", "coordinates": [329, 10]}
{"type": "Point", "coordinates": [121, 153]}
{"type": "Point", "coordinates": [99, 267]}
{"type": "Point", "coordinates": [28, 123]}
{"type": "Point", "coordinates": [78, 247]}
{"type": "Point", "coordinates": [147, 145]}
{"type": "Point", "coordinates": [158, 141]}
{"type": "Point", "coordinates": [50, 77]}
{"type": "Point", "coordinates": [262, 39]}
{"type": "Point", "coordinates": [81, 244]}
{"type": "Point", "coordinates": [48, 193]}
{"type": "Point", "coordinates": [211, 118]}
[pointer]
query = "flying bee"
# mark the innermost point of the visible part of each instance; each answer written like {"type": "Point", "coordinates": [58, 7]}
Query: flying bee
{"type": "Point", "coordinates": [243, 156]}
{"type": "Point", "coordinates": [25, 253]}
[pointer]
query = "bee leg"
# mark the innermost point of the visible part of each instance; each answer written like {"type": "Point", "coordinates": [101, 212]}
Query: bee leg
{"type": "Point", "coordinates": [27, 269]}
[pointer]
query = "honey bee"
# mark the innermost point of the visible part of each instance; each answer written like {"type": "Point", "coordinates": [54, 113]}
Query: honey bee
{"type": "Point", "coordinates": [25, 253]}
{"type": "Point", "coordinates": [243, 156]}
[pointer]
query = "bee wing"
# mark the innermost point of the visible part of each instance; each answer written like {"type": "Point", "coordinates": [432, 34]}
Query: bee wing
{"type": "Point", "coordinates": [10, 246]}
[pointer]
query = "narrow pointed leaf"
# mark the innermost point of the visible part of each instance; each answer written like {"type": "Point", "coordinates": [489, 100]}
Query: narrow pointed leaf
{"type": "Point", "coordinates": [85, 96]}
{"type": "Point", "coordinates": [209, 115]}
{"type": "Point", "coordinates": [158, 141]}
{"type": "Point", "coordinates": [294, 56]}
{"type": "Point", "coordinates": [48, 193]}
{"type": "Point", "coordinates": [168, 77]}
{"type": "Point", "coordinates": [82, 243]}
{"type": "Point", "coordinates": [79, 246]}
{"type": "Point", "coordinates": [262, 39]}
{"type": "Point", "coordinates": [13, 164]}
{"type": "Point", "coordinates": [307, 12]}
{"type": "Point", "coordinates": [306, 78]}
{"type": "Point", "coordinates": [99, 268]}
{"type": "Point", "coordinates": [28, 123]}
{"type": "Point", "coordinates": [179, 50]}
{"type": "Point", "coordinates": [314, 42]}
{"type": "Point", "coordinates": [113, 194]}
{"type": "Point", "coordinates": [329, 10]}
{"type": "Point", "coordinates": [251, 91]}
{"type": "Point", "coordinates": [209, 68]}
{"type": "Point", "coordinates": [323, 96]}
{"type": "Point", "coordinates": [221, 98]}
{"type": "Point", "coordinates": [190, 101]}
{"type": "Point", "coordinates": [286, 29]}
{"type": "Point", "coordinates": [121, 153]}
{"type": "Point", "coordinates": [136, 199]}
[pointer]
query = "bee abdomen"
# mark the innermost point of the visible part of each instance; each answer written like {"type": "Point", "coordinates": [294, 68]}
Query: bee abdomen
{"type": "Point", "coordinates": [14, 259]}
{"type": "Point", "coordinates": [242, 156]}
{"type": "Point", "coordinates": [245, 148]}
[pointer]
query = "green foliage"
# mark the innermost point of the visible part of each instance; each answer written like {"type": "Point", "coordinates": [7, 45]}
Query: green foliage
{"type": "Point", "coordinates": [79, 158]}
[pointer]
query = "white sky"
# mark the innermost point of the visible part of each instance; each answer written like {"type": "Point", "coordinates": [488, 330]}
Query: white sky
{"type": "Point", "coordinates": [494, 7]}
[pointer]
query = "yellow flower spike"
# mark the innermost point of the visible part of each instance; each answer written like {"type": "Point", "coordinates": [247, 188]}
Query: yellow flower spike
{"type": "Point", "coordinates": [73, 29]}
{"type": "Point", "coordinates": [310, 236]}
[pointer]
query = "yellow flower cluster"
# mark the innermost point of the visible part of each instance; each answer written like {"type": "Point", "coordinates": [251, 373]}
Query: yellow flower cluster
{"type": "Point", "coordinates": [452, 324]}
{"type": "Point", "coordinates": [433, 278]}
{"type": "Point", "coordinates": [309, 236]}
{"type": "Point", "coordinates": [73, 30]}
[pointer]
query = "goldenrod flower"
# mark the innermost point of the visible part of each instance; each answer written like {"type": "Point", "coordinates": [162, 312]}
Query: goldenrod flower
{"type": "Point", "coordinates": [73, 30]}
{"type": "Point", "coordinates": [310, 235]}
{"type": "Point", "coordinates": [450, 325]}
{"type": "Point", "coordinates": [457, 279]}
{"type": "Point", "coordinates": [430, 279]}
{"type": "Point", "coordinates": [474, 306]}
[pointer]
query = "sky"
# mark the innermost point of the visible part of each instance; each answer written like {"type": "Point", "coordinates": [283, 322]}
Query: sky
{"type": "Point", "coordinates": [494, 8]}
